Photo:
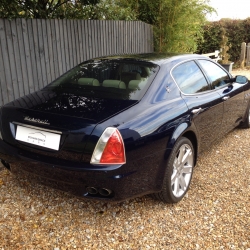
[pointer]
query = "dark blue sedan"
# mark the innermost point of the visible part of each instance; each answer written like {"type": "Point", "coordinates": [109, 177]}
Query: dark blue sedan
{"type": "Point", "coordinates": [117, 127]}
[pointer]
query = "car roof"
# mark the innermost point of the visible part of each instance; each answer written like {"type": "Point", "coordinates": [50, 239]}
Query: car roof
{"type": "Point", "coordinates": [156, 58]}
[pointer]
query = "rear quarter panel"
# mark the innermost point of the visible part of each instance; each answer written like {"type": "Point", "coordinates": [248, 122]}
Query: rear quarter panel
{"type": "Point", "coordinates": [148, 130]}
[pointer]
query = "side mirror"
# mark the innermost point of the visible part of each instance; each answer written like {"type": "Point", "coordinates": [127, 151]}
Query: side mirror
{"type": "Point", "coordinates": [241, 79]}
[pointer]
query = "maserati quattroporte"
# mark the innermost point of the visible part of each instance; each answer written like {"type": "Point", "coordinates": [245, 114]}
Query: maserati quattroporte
{"type": "Point", "coordinates": [118, 127]}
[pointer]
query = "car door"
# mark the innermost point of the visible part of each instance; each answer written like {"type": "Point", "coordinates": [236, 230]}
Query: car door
{"type": "Point", "coordinates": [205, 105]}
{"type": "Point", "coordinates": [232, 94]}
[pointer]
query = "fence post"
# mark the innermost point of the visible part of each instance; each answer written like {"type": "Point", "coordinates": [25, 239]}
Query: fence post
{"type": "Point", "coordinates": [243, 55]}
{"type": "Point", "coordinates": [248, 55]}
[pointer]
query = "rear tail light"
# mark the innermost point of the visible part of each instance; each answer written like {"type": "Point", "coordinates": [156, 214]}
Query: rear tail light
{"type": "Point", "coordinates": [109, 148]}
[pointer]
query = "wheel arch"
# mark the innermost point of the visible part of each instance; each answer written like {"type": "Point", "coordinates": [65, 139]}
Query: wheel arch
{"type": "Point", "coordinates": [164, 194]}
{"type": "Point", "coordinates": [185, 130]}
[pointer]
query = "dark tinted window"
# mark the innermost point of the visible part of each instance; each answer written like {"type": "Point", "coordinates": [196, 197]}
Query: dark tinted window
{"type": "Point", "coordinates": [216, 75]}
{"type": "Point", "coordinates": [116, 79]}
{"type": "Point", "coordinates": [189, 78]}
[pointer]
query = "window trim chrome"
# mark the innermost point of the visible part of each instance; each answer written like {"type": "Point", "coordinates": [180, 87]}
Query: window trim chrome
{"type": "Point", "coordinates": [195, 59]}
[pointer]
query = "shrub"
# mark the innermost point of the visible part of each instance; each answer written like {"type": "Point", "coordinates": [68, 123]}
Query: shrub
{"type": "Point", "coordinates": [237, 31]}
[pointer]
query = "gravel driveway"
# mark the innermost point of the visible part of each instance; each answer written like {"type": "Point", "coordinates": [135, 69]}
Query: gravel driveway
{"type": "Point", "coordinates": [214, 215]}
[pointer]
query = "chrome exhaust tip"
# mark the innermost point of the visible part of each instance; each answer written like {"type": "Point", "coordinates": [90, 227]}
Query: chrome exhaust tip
{"type": "Point", "coordinates": [105, 192]}
{"type": "Point", "coordinates": [91, 190]}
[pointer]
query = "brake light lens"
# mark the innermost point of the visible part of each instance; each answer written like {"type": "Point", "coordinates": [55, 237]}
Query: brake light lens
{"type": "Point", "coordinates": [109, 148]}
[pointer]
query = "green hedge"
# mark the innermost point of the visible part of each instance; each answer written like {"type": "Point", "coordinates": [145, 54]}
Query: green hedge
{"type": "Point", "coordinates": [237, 31]}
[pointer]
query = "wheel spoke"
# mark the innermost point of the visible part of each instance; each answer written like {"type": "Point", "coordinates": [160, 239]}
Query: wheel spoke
{"type": "Point", "coordinates": [186, 155]}
{"type": "Point", "coordinates": [176, 187]}
{"type": "Point", "coordinates": [183, 184]}
{"type": "Point", "coordinates": [174, 177]}
{"type": "Point", "coordinates": [181, 153]}
{"type": "Point", "coordinates": [187, 169]}
{"type": "Point", "coordinates": [175, 163]}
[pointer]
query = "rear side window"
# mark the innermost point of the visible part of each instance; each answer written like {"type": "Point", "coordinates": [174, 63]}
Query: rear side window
{"type": "Point", "coordinates": [216, 75]}
{"type": "Point", "coordinates": [189, 78]}
{"type": "Point", "coordinates": [106, 78]}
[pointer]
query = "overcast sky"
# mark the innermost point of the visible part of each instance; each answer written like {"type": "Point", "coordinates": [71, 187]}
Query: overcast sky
{"type": "Point", "coordinates": [235, 9]}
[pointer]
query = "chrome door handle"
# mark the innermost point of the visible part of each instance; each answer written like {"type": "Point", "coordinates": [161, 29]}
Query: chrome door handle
{"type": "Point", "coordinates": [196, 111]}
{"type": "Point", "coordinates": [225, 98]}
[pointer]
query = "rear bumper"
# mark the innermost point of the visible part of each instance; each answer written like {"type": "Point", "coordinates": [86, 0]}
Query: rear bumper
{"type": "Point", "coordinates": [133, 179]}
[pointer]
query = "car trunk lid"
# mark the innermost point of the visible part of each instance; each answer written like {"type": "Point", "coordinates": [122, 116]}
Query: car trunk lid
{"type": "Point", "coordinates": [66, 120]}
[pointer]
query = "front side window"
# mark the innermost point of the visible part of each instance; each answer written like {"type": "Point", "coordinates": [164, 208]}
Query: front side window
{"type": "Point", "coordinates": [108, 78]}
{"type": "Point", "coordinates": [217, 76]}
{"type": "Point", "coordinates": [189, 78]}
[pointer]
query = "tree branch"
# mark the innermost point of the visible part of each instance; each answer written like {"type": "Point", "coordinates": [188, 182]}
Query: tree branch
{"type": "Point", "coordinates": [59, 3]}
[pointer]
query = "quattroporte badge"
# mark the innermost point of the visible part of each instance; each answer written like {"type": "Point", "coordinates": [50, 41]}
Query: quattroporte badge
{"type": "Point", "coordinates": [27, 118]}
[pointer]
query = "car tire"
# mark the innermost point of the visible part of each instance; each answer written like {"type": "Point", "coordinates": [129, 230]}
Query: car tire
{"type": "Point", "coordinates": [246, 123]}
{"type": "Point", "coordinates": [178, 174]}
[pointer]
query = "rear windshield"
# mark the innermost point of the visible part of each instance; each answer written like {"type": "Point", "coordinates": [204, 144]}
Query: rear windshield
{"type": "Point", "coordinates": [116, 79]}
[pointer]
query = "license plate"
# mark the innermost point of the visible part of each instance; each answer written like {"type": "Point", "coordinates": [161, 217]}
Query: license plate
{"type": "Point", "coordinates": [38, 137]}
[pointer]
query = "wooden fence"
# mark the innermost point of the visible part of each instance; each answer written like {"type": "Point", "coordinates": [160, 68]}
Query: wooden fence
{"type": "Point", "coordinates": [34, 52]}
{"type": "Point", "coordinates": [245, 55]}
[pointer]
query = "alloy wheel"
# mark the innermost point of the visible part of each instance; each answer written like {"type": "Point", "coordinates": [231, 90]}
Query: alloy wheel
{"type": "Point", "coordinates": [182, 170]}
